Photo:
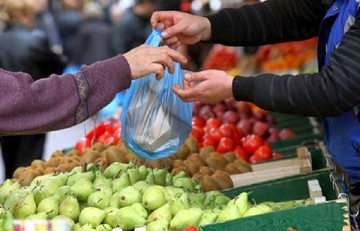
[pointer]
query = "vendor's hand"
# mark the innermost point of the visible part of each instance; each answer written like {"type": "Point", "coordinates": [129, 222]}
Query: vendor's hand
{"type": "Point", "coordinates": [147, 59]}
{"type": "Point", "coordinates": [179, 28]}
{"type": "Point", "coordinates": [208, 86]}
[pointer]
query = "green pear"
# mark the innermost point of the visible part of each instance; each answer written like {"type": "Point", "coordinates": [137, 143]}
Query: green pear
{"type": "Point", "coordinates": [77, 169]}
{"type": "Point", "coordinates": [101, 182]}
{"type": "Point", "coordinates": [169, 179]}
{"type": "Point", "coordinates": [70, 207]}
{"type": "Point", "coordinates": [141, 186]}
{"type": "Point", "coordinates": [140, 209]}
{"type": "Point", "coordinates": [129, 196]}
{"type": "Point", "coordinates": [50, 205]}
{"type": "Point", "coordinates": [186, 218]}
{"type": "Point", "coordinates": [25, 206]}
{"type": "Point", "coordinates": [114, 170]}
{"type": "Point", "coordinates": [180, 202]}
{"type": "Point", "coordinates": [7, 188]}
{"type": "Point", "coordinates": [115, 200]}
{"type": "Point", "coordinates": [86, 227]}
{"type": "Point", "coordinates": [144, 171]}
{"type": "Point", "coordinates": [174, 191]}
{"type": "Point", "coordinates": [103, 227]}
{"type": "Point", "coordinates": [253, 211]}
{"type": "Point", "coordinates": [8, 219]}
{"type": "Point", "coordinates": [75, 177]}
{"type": "Point", "coordinates": [128, 218]}
{"type": "Point", "coordinates": [77, 227]}
{"type": "Point", "coordinates": [179, 175]}
{"type": "Point", "coordinates": [221, 200]}
{"type": "Point", "coordinates": [241, 202]}
{"type": "Point", "coordinates": [110, 217]}
{"type": "Point", "coordinates": [38, 180]}
{"type": "Point", "coordinates": [154, 197]}
{"type": "Point", "coordinates": [14, 198]}
{"type": "Point", "coordinates": [209, 201]}
{"type": "Point", "coordinates": [230, 212]}
{"type": "Point", "coordinates": [99, 199]}
{"type": "Point", "coordinates": [196, 199]}
{"type": "Point", "coordinates": [91, 215]}
{"type": "Point", "coordinates": [37, 216]}
{"type": "Point", "coordinates": [134, 175]}
{"type": "Point", "coordinates": [160, 176]}
{"type": "Point", "coordinates": [158, 225]}
{"type": "Point", "coordinates": [150, 178]}
{"type": "Point", "coordinates": [185, 182]}
{"type": "Point", "coordinates": [82, 189]}
{"type": "Point", "coordinates": [208, 217]}
{"type": "Point", "coordinates": [63, 192]}
{"type": "Point", "coordinates": [60, 178]}
{"type": "Point", "coordinates": [46, 189]}
{"type": "Point", "coordinates": [121, 182]}
{"type": "Point", "coordinates": [162, 212]}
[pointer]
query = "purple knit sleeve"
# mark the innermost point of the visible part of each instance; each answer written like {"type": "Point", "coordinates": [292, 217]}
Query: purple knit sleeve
{"type": "Point", "coordinates": [59, 101]}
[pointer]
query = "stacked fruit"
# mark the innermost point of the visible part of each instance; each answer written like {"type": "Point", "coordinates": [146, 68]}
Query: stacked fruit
{"type": "Point", "coordinates": [122, 195]}
{"type": "Point", "coordinates": [237, 126]}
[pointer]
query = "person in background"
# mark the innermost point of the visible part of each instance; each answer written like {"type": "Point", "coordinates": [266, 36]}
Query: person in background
{"type": "Point", "coordinates": [23, 48]}
{"type": "Point", "coordinates": [93, 38]}
{"type": "Point", "coordinates": [45, 21]}
{"type": "Point", "coordinates": [134, 26]}
{"type": "Point", "coordinates": [68, 19]}
{"type": "Point", "coordinates": [331, 94]}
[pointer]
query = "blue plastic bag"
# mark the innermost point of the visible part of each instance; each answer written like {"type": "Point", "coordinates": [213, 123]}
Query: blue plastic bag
{"type": "Point", "coordinates": [155, 122]}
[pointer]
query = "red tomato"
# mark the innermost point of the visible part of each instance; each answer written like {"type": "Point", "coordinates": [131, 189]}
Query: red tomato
{"type": "Point", "coordinates": [96, 132]}
{"type": "Point", "coordinates": [104, 136]}
{"type": "Point", "coordinates": [241, 153]}
{"type": "Point", "coordinates": [227, 130]}
{"type": "Point", "coordinates": [225, 145]}
{"type": "Point", "coordinates": [238, 135]}
{"type": "Point", "coordinates": [252, 142]}
{"type": "Point", "coordinates": [191, 228]}
{"type": "Point", "coordinates": [198, 122]}
{"type": "Point", "coordinates": [213, 123]}
{"type": "Point", "coordinates": [209, 141]}
{"type": "Point", "coordinates": [264, 152]}
{"type": "Point", "coordinates": [215, 134]}
{"type": "Point", "coordinates": [197, 133]}
{"type": "Point", "coordinates": [82, 144]}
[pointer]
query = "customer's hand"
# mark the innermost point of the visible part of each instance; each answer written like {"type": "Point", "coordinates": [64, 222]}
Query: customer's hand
{"type": "Point", "coordinates": [147, 59]}
{"type": "Point", "coordinates": [208, 86]}
{"type": "Point", "coordinates": [179, 28]}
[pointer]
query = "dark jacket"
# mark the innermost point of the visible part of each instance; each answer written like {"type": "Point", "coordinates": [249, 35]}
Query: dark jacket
{"type": "Point", "coordinates": [130, 32]}
{"type": "Point", "coordinates": [28, 51]}
{"type": "Point", "coordinates": [330, 92]}
{"type": "Point", "coordinates": [93, 42]}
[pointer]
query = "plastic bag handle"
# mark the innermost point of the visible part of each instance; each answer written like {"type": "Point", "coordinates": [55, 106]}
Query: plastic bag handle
{"type": "Point", "coordinates": [154, 38]}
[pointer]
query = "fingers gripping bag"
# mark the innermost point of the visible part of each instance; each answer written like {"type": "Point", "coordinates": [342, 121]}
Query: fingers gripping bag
{"type": "Point", "coordinates": [155, 122]}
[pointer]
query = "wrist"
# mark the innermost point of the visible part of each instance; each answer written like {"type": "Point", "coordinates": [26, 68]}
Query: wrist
{"type": "Point", "coordinates": [206, 32]}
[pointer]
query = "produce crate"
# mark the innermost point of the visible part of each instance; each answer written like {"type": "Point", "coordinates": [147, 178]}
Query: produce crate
{"type": "Point", "coordinates": [330, 215]}
{"type": "Point", "coordinates": [288, 147]}
{"type": "Point", "coordinates": [305, 160]}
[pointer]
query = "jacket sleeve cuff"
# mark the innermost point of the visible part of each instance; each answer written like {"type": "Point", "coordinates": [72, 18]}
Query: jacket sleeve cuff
{"type": "Point", "coordinates": [243, 88]}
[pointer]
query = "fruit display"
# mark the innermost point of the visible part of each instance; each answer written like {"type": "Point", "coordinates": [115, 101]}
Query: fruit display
{"type": "Point", "coordinates": [240, 127]}
{"type": "Point", "coordinates": [124, 196]}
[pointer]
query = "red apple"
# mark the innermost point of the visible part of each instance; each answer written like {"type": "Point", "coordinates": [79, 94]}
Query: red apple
{"type": "Point", "coordinates": [260, 128]}
{"type": "Point", "coordinates": [286, 133]}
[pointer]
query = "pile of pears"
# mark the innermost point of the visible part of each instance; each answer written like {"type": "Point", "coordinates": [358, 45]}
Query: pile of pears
{"type": "Point", "coordinates": [123, 196]}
